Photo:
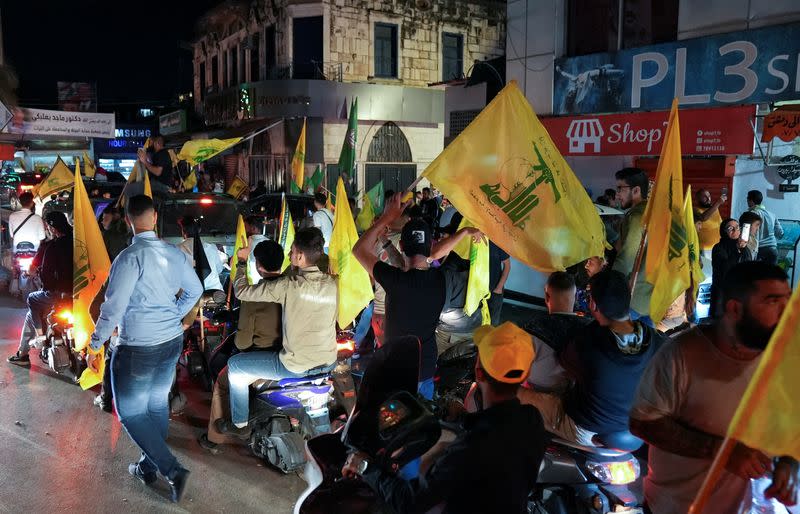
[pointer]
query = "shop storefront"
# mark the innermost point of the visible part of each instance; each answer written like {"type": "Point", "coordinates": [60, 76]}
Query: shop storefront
{"type": "Point", "coordinates": [119, 154]}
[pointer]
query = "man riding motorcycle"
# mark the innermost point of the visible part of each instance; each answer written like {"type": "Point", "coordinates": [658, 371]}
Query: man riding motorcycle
{"type": "Point", "coordinates": [56, 275]}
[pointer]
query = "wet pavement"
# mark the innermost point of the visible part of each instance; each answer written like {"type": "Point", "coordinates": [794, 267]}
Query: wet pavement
{"type": "Point", "coordinates": [60, 453]}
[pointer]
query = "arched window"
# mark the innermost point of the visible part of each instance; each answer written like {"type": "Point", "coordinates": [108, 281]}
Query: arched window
{"type": "Point", "coordinates": [389, 145]}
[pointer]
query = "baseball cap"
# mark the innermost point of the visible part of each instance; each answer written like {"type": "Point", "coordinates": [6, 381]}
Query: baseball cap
{"type": "Point", "coordinates": [416, 238]}
{"type": "Point", "coordinates": [506, 352]}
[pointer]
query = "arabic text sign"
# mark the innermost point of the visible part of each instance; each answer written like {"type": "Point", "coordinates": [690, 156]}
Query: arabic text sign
{"type": "Point", "coordinates": [40, 122]}
{"type": "Point", "coordinates": [724, 131]}
{"type": "Point", "coordinates": [747, 67]}
{"type": "Point", "coordinates": [783, 124]}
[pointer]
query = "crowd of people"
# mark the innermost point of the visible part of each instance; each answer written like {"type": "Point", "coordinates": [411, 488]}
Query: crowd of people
{"type": "Point", "coordinates": [606, 368]}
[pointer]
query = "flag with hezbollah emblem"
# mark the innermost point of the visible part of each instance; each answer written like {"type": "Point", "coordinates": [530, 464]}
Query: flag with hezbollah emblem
{"type": "Point", "coordinates": [200, 150]}
{"type": "Point", "coordinates": [354, 287]}
{"type": "Point", "coordinates": [59, 179]}
{"type": "Point", "coordinates": [504, 174]}
{"type": "Point", "coordinates": [90, 268]}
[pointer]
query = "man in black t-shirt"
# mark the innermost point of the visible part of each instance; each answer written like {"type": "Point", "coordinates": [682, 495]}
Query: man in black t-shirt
{"type": "Point", "coordinates": [415, 296]}
{"type": "Point", "coordinates": [499, 269]}
{"type": "Point", "coordinates": [159, 165]}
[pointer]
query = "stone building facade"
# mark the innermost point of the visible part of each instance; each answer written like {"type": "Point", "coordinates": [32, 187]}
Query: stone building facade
{"type": "Point", "coordinates": [270, 59]}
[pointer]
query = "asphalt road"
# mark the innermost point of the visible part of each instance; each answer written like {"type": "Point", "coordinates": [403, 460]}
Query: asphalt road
{"type": "Point", "coordinates": [59, 453]}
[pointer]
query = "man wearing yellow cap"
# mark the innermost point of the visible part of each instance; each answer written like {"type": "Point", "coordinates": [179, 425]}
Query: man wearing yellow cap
{"type": "Point", "coordinates": [467, 476]}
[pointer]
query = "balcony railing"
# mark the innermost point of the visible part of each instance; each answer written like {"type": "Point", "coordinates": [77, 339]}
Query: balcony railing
{"type": "Point", "coordinates": [309, 70]}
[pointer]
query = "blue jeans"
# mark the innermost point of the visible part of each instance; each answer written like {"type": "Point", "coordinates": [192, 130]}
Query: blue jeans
{"type": "Point", "coordinates": [246, 368]}
{"type": "Point", "coordinates": [362, 327]}
{"type": "Point", "coordinates": [644, 320]}
{"type": "Point", "coordinates": [141, 377]}
{"type": "Point", "coordinates": [39, 304]}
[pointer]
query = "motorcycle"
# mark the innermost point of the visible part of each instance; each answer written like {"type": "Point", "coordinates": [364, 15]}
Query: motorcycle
{"type": "Point", "coordinates": [23, 284]}
{"type": "Point", "coordinates": [203, 337]}
{"type": "Point", "coordinates": [285, 413]}
{"type": "Point", "coordinates": [57, 346]}
{"type": "Point", "coordinates": [388, 422]}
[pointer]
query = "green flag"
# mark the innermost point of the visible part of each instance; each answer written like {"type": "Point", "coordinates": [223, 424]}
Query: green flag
{"type": "Point", "coordinates": [315, 181]}
{"type": "Point", "coordinates": [347, 159]}
{"type": "Point", "coordinates": [376, 197]}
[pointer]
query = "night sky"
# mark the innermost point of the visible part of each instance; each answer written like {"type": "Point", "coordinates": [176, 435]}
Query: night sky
{"type": "Point", "coordinates": [130, 49]}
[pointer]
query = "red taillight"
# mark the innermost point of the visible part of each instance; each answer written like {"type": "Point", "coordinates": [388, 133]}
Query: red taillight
{"type": "Point", "coordinates": [206, 201]}
{"type": "Point", "coordinates": [66, 315]}
{"type": "Point", "coordinates": [25, 187]}
{"type": "Point", "coordinates": [37, 176]}
{"type": "Point", "coordinates": [348, 345]}
{"type": "Point", "coordinates": [25, 263]}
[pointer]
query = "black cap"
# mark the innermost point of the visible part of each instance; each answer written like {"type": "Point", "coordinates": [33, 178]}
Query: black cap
{"type": "Point", "coordinates": [416, 238]}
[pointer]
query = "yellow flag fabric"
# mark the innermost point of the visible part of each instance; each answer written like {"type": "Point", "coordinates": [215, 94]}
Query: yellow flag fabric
{"type": "Point", "coordinates": [505, 174]}
{"type": "Point", "coordinates": [90, 264]}
{"type": "Point", "coordinates": [88, 166]}
{"type": "Point", "coordinates": [329, 203]}
{"type": "Point", "coordinates": [354, 285]}
{"type": "Point", "coordinates": [693, 240]}
{"type": "Point", "coordinates": [173, 157]}
{"type": "Point", "coordinates": [90, 378]}
{"type": "Point", "coordinates": [147, 190]}
{"type": "Point", "coordinates": [768, 415]}
{"type": "Point", "coordinates": [190, 181]}
{"type": "Point", "coordinates": [285, 232]}
{"type": "Point", "coordinates": [237, 188]}
{"type": "Point", "coordinates": [241, 242]}
{"type": "Point", "coordinates": [200, 150]}
{"type": "Point", "coordinates": [667, 264]}
{"type": "Point", "coordinates": [478, 282]}
{"type": "Point", "coordinates": [59, 179]}
{"type": "Point", "coordinates": [299, 160]}
{"type": "Point", "coordinates": [77, 167]}
{"type": "Point", "coordinates": [366, 216]}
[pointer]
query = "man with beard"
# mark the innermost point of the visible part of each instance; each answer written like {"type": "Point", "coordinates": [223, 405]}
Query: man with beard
{"type": "Point", "coordinates": [691, 389]}
{"type": "Point", "coordinates": [707, 216]}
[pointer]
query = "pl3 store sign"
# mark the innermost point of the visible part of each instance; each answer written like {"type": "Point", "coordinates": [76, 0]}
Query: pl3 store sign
{"type": "Point", "coordinates": [40, 122]}
{"type": "Point", "coordinates": [724, 131]}
{"type": "Point", "coordinates": [747, 67]}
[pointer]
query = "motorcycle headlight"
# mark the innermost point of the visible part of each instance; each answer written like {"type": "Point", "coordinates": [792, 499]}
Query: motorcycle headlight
{"type": "Point", "coordinates": [615, 473]}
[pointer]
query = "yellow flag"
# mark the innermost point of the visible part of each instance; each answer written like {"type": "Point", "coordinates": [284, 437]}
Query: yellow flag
{"type": "Point", "coordinates": [478, 282]}
{"type": "Point", "coordinates": [190, 181]}
{"type": "Point", "coordinates": [366, 216]}
{"type": "Point", "coordinates": [329, 203]}
{"type": "Point", "coordinates": [173, 157]}
{"type": "Point", "coordinates": [693, 239]}
{"type": "Point", "coordinates": [147, 190]}
{"type": "Point", "coordinates": [88, 166]}
{"type": "Point", "coordinates": [90, 264]}
{"type": "Point", "coordinates": [667, 264]}
{"type": "Point", "coordinates": [769, 416]}
{"type": "Point", "coordinates": [241, 242]}
{"type": "Point", "coordinates": [237, 188]}
{"type": "Point", "coordinates": [504, 173]}
{"type": "Point", "coordinates": [59, 179]}
{"type": "Point", "coordinates": [299, 161]}
{"type": "Point", "coordinates": [285, 232]}
{"type": "Point", "coordinates": [200, 150]}
{"type": "Point", "coordinates": [354, 285]}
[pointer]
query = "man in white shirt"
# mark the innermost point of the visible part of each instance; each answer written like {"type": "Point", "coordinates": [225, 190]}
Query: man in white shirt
{"type": "Point", "coordinates": [254, 227]}
{"type": "Point", "coordinates": [323, 218]}
{"type": "Point", "coordinates": [190, 230]}
{"type": "Point", "coordinates": [25, 225]}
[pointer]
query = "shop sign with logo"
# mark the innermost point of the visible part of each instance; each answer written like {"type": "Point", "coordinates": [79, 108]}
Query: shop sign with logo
{"type": "Point", "coordinates": [723, 131]}
{"type": "Point", "coordinates": [747, 67]}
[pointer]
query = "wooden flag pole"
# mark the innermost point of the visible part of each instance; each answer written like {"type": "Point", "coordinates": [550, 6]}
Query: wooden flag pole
{"type": "Point", "coordinates": [637, 265]}
{"type": "Point", "coordinates": [712, 477]}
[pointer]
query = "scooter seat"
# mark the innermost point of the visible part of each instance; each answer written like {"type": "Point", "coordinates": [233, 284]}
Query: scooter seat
{"type": "Point", "coordinates": [596, 450]}
{"type": "Point", "coordinates": [261, 386]}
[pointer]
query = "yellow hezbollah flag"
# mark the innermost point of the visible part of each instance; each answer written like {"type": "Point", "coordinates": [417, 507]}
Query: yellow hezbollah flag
{"type": "Point", "coordinates": [366, 216]}
{"type": "Point", "coordinates": [88, 166]}
{"type": "Point", "coordinates": [478, 281]}
{"type": "Point", "coordinates": [354, 285]}
{"type": "Point", "coordinates": [241, 242]}
{"type": "Point", "coordinates": [90, 267]}
{"type": "Point", "coordinates": [237, 188]}
{"type": "Point", "coordinates": [667, 264]}
{"type": "Point", "coordinates": [768, 416]}
{"type": "Point", "coordinates": [59, 179]}
{"type": "Point", "coordinates": [299, 162]}
{"type": "Point", "coordinates": [147, 190]}
{"type": "Point", "coordinates": [693, 240]}
{"type": "Point", "coordinates": [504, 173]}
{"type": "Point", "coordinates": [285, 232]}
{"type": "Point", "coordinates": [190, 181]}
{"type": "Point", "coordinates": [200, 150]}
{"type": "Point", "coordinates": [329, 202]}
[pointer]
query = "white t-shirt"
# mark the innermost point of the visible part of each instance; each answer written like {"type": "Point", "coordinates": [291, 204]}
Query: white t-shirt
{"type": "Point", "coordinates": [691, 381]}
{"type": "Point", "coordinates": [323, 220]}
{"type": "Point", "coordinates": [252, 269]}
{"type": "Point", "coordinates": [32, 231]}
{"type": "Point", "coordinates": [212, 281]}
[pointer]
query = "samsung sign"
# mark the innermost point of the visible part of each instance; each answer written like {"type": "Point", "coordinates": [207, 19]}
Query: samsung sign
{"type": "Point", "coordinates": [746, 67]}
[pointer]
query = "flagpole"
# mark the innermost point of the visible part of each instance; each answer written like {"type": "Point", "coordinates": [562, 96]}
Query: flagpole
{"type": "Point", "coordinates": [637, 265]}
{"type": "Point", "coordinates": [720, 461]}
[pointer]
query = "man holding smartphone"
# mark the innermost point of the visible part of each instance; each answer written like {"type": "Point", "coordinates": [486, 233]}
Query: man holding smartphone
{"type": "Point", "coordinates": [707, 215]}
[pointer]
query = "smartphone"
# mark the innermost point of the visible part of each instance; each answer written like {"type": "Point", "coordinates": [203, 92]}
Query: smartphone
{"type": "Point", "coordinates": [725, 191]}
{"type": "Point", "coordinates": [745, 234]}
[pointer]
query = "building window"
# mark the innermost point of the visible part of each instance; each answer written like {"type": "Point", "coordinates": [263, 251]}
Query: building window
{"type": "Point", "coordinates": [592, 25]}
{"type": "Point", "coordinates": [385, 50]}
{"type": "Point", "coordinates": [234, 59]}
{"type": "Point", "coordinates": [269, 52]}
{"type": "Point", "coordinates": [459, 120]}
{"type": "Point", "coordinates": [226, 76]}
{"type": "Point", "coordinates": [255, 48]}
{"type": "Point", "coordinates": [307, 48]}
{"type": "Point", "coordinates": [203, 80]}
{"type": "Point", "coordinates": [214, 71]}
{"type": "Point", "coordinates": [452, 56]}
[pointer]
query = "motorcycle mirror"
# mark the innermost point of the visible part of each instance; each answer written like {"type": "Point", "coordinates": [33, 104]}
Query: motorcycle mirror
{"type": "Point", "coordinates": [219, 296]}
